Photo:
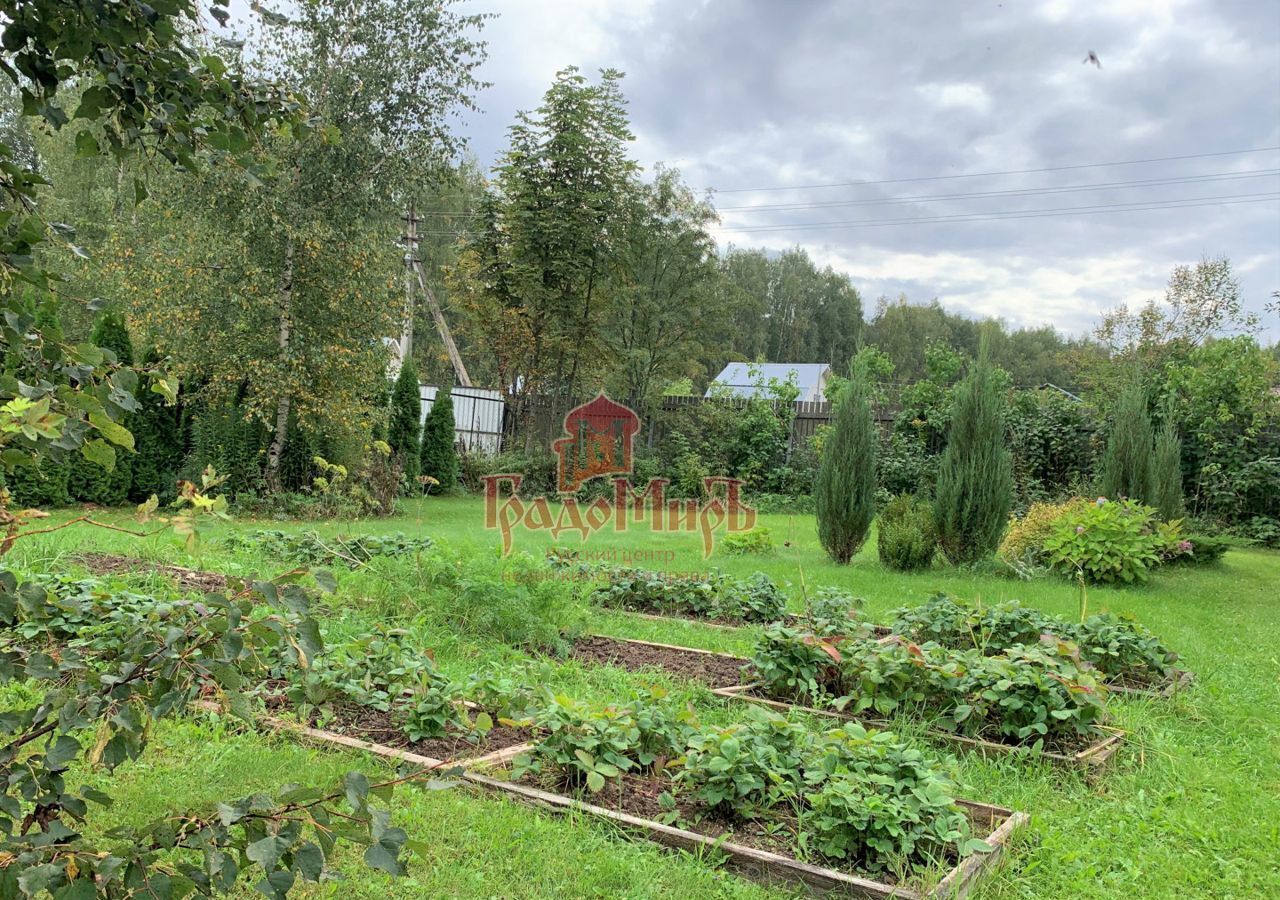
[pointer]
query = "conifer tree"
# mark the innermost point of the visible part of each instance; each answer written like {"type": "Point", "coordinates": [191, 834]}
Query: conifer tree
{"type": "Point", "coordinates": [403, 429]}
{"type": "Point", "coordinates": [1166, 464]}
{"type": "Point", "coordinates": [1127, 465]}
{"type": "Point", "coordinates": [975, 475]}
{"type": "Point", "coordinates": [439, 459]}
{"type": "Point", "coordinates": [845, 487]}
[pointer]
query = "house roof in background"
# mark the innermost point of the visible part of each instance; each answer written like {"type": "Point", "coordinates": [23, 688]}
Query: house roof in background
{"type": "Point", "coordinates": [741, 378]}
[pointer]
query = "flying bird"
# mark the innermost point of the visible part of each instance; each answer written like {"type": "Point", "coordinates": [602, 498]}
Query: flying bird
{"type": "Point", "coordinates": [1092, 58]}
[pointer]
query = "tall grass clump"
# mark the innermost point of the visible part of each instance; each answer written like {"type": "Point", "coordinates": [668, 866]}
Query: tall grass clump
{"type": "Point", "coordinates": [975, 476]}
{"type": "Point", "coordinates": [844, 490]}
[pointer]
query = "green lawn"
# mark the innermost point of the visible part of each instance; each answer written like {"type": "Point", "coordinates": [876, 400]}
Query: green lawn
{"type": "Point", "coordinates": [1191, 807]}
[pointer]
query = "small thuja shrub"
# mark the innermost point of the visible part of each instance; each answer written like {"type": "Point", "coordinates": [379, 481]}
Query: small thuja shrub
{"type": "Point", "coordinates": [1108, 541]}
{"type": "Point", "coordinates": [439, 458]}
{"type": "Point", "coordinates": [975, 476]}
{"type": "Point", "coordinates": [845, 486]}
{"type": "Point", "coordinates": [907, 539]}
{"type": "Point", "coordinates": [404, 430]}
{"type": "Point", "coordinates": [1127, 464]}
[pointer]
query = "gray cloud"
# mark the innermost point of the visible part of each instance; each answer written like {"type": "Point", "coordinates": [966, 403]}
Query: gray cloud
{"type": "Point", "coordinates": [754, 93]}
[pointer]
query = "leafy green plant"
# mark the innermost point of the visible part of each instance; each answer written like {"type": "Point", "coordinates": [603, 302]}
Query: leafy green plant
{"type": "Point", "coordinates": [311, 548]}
{"type": "Point", "coordinates": [831, 612]}
{"type": "Point", "coordinates": [746, 768]}
{"type": "Point", "coordinates": [1106, 541]}
{"type": "Point", "coordinates": [756, 600]}
{"type": "Point", "coordinates": [873, 799]}
{"type": "Point", "coordinates": [758, 541]}
{"type": "Point", "coordinates": [585, 744]}
{"type": "Point", "coordinates": [434, 708]}
{"type": "Point", "coordinates": [907, 539]}
{"type": "Point", "coordinates": [1119, 648]}
{"type": "Point", "coordinates": [792, 664]}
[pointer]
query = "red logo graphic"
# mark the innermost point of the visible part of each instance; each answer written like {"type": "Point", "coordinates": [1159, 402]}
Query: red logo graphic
{"type": "Point", "coordinates": [599, 440]}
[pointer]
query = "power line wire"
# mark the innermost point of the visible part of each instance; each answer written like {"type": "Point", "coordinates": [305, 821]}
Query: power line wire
{"type": "Point", "coordinates": [1182, 203]}
{"type": "Point", "coordinates": [1012, 192]}
{"type": "Point", "coordinates": [1126, 162]}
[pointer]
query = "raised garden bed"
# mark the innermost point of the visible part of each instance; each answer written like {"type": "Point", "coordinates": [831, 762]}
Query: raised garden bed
{"type": "Point", "coordinates": [754, 854]}
{"type": "Point", "coordinates": [715, 669]}
{"type": "Point", "coordinates": [877, 631]}
{"type": "Point", "coordinates": [1092, 756]}
{"type": "Point", "coordinates": [499, 745]}
{"type": "Point", "coordinates": [187, 579]}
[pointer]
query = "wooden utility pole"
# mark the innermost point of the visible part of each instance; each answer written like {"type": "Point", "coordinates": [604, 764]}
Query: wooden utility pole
{"type": "Point", "coordinates": [413, 268]}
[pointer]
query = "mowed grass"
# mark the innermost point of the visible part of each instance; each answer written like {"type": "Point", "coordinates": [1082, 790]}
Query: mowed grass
{"type": "Point", "coordinates": [1190, 808]}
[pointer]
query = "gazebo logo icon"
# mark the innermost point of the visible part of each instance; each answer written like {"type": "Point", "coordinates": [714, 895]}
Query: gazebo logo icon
{"type": "Point", "coordinates": [599, 438]}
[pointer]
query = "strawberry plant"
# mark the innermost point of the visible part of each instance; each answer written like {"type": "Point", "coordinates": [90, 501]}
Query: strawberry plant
{"type": "Point", "coordinates": [874, 800]}
{"type": "Point", "coordinates": [715, 596]}
{"type": "Point", "coordinates": [793, 664]}
{"type": "Point", "coordinates": [313, 549]}
{"type": "Point", "coordinates": [746, 768]}
{"type": "Point", "coordinates": [833, 613]}
{"type": "Point", "coordinates": [1118, 647]}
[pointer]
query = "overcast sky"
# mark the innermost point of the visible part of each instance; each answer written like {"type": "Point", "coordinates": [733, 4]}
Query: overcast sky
{"type": "Point", "coordinates": [749, 94]}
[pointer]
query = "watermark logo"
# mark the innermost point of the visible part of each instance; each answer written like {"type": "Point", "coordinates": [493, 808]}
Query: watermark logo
{"type": "Point", "coordinates": [599, 442]}
{"type": "Point", "coordinates": [599, 439]}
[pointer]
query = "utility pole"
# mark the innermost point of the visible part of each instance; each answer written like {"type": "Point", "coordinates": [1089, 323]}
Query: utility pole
{"type": "Point", "coordinates": [412, 272]}
{"type": "Point", "coordinates": [410, 240]}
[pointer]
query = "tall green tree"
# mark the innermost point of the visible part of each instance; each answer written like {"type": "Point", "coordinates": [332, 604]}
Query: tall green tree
{"type": "Point", "coordinates": [845, 488]}
{"type": "Point", "coordinates": [663, 270]}
{"type": "Point", "coordinates": [439, 458]}
{"type": "Point", "coordinates": [975, 475]}
{"type": "Point", "coordinates": [146, 88]}
{"type": "Point", "coordinates": [1166, 469]}
{"type": "Point", "coordinates": [404, 428]}
{"type": "Point", "coordinates": [561, 187]}
{"type": "Point", "coordinates": [284, 294]}
{"type": "Point", "coordinates": [1126, 467]}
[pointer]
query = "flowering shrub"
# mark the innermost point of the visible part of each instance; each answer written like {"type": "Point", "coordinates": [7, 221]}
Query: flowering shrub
{"type": "Point", "coordinates": [1108, 541]}
{"type": "Point", "coordinates": [1024, 540]}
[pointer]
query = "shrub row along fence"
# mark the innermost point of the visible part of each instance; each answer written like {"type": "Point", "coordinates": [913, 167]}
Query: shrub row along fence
{"type": "Point", "coordinates": [534, 422]}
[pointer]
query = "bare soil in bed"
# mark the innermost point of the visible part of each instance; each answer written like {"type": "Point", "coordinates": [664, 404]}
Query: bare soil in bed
{"type": "Point", "coordinates": [187, 579]}
{"type": "Point", "coordinates": [716, 671]}
{"type": "Point", "coordinates": [379, 727]}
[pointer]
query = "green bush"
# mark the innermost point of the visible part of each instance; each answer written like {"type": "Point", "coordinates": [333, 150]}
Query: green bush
{"type": "Point", "coordinates": [757, 541]}
{"type": "Point", "coordinates": [1166, 471]}
{"type": "Point", "coordinates": [907, 538]}
{"type": "Point", "coordinates": [975, 476]}
{"type": "Point", "coordinates": [439, 458]}
{"type": "Point", "coordinates": [1204, 550]}
{"type": "Point", "coordinates": [845, 487]}
{"type": "Point", "coordinates": [1106, 541]}
{"type": "Point", "coordinates": [404, 429]}
{"type": "Point", "coordinates": [1126, 466]}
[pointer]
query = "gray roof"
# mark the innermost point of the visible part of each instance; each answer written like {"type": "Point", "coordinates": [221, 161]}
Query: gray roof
{"type": "Point", "coordinates": [741, 378]}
